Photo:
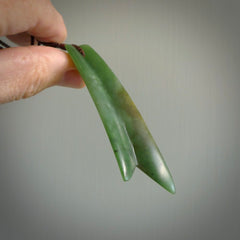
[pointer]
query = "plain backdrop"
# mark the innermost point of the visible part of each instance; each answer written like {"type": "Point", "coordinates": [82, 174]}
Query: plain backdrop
{"type": "Point", "coordinates": [180, 62]}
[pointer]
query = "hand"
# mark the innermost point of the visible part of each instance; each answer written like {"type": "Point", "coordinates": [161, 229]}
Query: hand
{"type": "Point", "coordinates": [25, 71]}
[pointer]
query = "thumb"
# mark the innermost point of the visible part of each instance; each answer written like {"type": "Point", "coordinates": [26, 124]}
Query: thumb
{"type": "Point", "coordinates": [25, 71]}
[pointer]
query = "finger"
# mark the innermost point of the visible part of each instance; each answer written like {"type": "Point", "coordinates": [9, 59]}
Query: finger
{"type": "Point", "coordinates": [37, 18]}
{"type": "Point", "coordinates": [26, 71]}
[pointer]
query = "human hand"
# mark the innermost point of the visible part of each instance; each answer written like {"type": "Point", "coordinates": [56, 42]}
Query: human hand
{"type": "Point", "coordinates": [27, 70]}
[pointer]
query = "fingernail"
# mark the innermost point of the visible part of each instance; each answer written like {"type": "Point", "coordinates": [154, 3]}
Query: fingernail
{"type": "Point", "coordinates": [72, 79]}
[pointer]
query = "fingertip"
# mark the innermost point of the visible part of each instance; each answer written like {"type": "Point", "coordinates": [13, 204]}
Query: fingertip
{"type": "Point", "coordinates": [61, 30]}
{"type": "Point", "coordinates": [56, 32]}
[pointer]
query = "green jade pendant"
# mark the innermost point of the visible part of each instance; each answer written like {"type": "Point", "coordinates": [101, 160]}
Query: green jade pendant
{"type": "Point", "coordinates": [130, 138]}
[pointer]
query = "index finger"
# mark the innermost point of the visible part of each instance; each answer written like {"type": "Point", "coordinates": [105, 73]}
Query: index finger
{"type": "Point", "coordinates": [37, 18]}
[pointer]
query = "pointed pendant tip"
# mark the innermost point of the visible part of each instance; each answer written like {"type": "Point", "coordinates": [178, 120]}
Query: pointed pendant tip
{"type": "Point", "coordinates": [172, 189]}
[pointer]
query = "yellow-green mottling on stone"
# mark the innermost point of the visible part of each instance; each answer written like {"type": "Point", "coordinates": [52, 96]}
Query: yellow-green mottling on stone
{"type": "Point", "coordinates": [130, 138]}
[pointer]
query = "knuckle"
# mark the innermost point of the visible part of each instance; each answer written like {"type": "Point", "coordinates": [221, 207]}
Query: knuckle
{"type": "Point", "coordinates": [34, 79]}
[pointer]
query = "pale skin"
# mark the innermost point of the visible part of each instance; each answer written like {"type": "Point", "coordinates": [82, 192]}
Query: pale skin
{"type": "Point", "coordinates": [27, 70]}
